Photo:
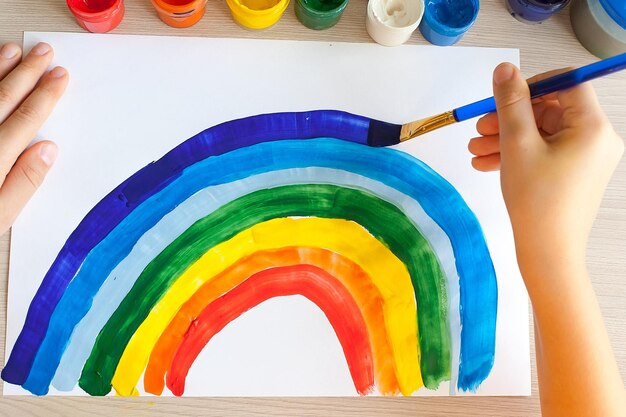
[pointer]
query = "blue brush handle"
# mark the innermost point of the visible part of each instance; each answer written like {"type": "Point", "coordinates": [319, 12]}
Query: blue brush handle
{"type": "Point", "coordinates": [549, 85]}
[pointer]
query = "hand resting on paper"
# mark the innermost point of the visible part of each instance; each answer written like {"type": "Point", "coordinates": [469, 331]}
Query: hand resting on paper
{"type": "Point", "coordinates": [556, 156]}
{"type": "Point", "coordinates": [28, 93]}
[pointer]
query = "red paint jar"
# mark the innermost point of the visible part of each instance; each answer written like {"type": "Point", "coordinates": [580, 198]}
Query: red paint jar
{"type": "Point", "coordinates": [98, 16]}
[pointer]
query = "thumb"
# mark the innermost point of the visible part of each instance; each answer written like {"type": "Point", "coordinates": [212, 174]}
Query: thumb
{"type": "Point", "coordinates": [23, 180]}
{"type": "Point", "coordinates": [515, 112]}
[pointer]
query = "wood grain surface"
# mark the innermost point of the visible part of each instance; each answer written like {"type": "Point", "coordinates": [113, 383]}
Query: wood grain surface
{"type": "Point", "coordinates": [543, 47]}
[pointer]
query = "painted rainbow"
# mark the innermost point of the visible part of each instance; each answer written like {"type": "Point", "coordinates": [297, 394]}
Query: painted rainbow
{"type": "Point", "coordinates": [267, 206]}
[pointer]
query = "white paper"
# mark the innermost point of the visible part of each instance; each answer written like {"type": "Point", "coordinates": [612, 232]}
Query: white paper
{"type": "Point", "coordinates": [147, 94]}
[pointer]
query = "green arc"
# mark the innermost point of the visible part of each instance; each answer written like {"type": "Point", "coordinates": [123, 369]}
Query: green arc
{"type": "Point", "coordinates": [382, 219]}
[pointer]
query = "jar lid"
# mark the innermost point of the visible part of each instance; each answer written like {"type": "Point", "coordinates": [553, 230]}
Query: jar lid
{"type": "Point", "coordinates": [617, 10]}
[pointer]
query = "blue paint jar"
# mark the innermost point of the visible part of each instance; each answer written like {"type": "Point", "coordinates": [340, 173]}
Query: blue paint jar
{"type": "Point", "coordinates": [534, 11]}
{"type": "Point", "coordinates": [446, 21]}
{"type": "Point", "coordinates": [600, 25]}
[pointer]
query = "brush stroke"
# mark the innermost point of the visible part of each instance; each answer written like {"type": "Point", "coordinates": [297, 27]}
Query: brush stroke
{"type": "Point", "coordinates": [120, 202]}
{"type": "Point", "coordinates": [311, 282]}
{"type": "Point", "coordinates": [380, 218]}
{"type": "Point", "coordinates": [359, 285]}
{"type": "Point", "coordinates": [119, 282]}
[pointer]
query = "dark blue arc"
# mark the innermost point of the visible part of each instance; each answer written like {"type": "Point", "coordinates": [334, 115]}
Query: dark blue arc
{"type": "Point", "coordinates": [128, 195]}
{"type": "Point", "coordinates": [437, 197]}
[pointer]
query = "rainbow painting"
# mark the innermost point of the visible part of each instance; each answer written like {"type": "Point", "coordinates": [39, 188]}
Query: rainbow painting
{"type": "Point", "coordinates": [267, 206]}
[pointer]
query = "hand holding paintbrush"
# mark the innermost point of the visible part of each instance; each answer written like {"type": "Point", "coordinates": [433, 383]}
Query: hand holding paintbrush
{"type": "Point", "coordinates": [556, 155]}
{"type": "Point", "coordinates": [537, 87]}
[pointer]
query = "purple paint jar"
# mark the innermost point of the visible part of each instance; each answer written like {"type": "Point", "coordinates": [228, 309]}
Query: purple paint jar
{"type": "Point", "coordinates": [534, 11]}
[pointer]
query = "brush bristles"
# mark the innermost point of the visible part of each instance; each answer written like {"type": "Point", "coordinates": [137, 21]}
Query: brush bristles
{"type": "Point", "coordinates": [419, 127]}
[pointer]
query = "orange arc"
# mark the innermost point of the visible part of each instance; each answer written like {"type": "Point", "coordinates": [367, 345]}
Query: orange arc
{"type": "Point", "coordinates": [351, 275]}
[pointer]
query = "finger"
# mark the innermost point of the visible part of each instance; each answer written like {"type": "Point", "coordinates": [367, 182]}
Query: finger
{"type": "Point", "coordinates": [549, 116]}
{"type": "Point", "coordinates": [10, 55]}
{"type": "Point", "coordinates": [488, 124]}
{"type": "Point", "coordinates": [487, 163]}
{"type": "Point", "coordinates": [581, 107]}
{"type": "Point", "coordinates": [515, 113]}
{"type": "Point", "coordinates": [25, 177]}
{"type": "Point", "coordinates": [580, 103]}
{"type": "Point", "coordinates": [16, 86]}
{"type": "Point", "coordinates": [484, 145]}
{"type": "Point", "coordinates": [22, 126]}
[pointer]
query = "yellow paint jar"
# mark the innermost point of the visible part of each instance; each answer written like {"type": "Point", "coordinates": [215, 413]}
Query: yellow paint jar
{"type": "Point", "coordinates": [257, 14]}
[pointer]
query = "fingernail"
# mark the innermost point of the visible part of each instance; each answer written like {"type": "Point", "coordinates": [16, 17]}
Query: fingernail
{"type": "Point", "coordinates": [9, 51]}
{"type": "Point", "coordinates": [58, 72]}
{"type": "Point", "coordinates": [503, 73]}
{"type": "Point", "coordinates": [48, 154]}
{"type": "Point", "coordinates": [41, 48]}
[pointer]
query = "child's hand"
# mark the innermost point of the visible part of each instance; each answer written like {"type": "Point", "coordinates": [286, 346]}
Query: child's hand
{"type": "Point", "coordinates": [556, 157]}
{"type": "Point", "coordinates": [27, 98]}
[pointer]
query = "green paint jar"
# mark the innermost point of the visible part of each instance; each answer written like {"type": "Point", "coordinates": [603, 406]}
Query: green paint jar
{"type": "Point", "coordinates": [319, 14]}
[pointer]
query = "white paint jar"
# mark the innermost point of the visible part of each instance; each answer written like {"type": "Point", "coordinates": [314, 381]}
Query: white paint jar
{"type": "Point", "coordinates": [391, 22]}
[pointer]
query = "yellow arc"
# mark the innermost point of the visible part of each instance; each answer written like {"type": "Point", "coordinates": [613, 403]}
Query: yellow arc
{"type": "Point", "coordinates": [345, 237]}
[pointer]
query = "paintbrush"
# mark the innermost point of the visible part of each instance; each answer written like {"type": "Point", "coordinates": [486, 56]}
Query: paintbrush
{"type": "Point", "coordinates": [387, 134]}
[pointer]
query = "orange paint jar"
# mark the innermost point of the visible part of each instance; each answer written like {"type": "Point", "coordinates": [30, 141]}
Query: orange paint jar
{"type": "Point", "coordinates": [98, 16]}
{"type": "Point", "coordinates": [180, 13]}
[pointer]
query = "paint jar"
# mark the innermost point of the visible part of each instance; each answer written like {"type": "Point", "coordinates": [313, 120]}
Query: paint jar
{"type": "Point", "coordinates": [319, 14]}
{"type": "Point", "coordinates": [534, 11]}
{"type": "Point", "coordinates": [257, 14]}
{"type": "Point", "coordinates": [600, 26]}
{"type": "Point", "coordinates": [98, 16]}
{"type": "Point", "coordinates": [446, 21]}
{"type": "Point", "coordinates": [179, 13]}
{"type": "Point", "coordinates": [391, 22]}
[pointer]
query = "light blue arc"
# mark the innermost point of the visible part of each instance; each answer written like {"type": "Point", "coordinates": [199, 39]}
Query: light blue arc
{"type": "Point", "coordinates": [398, 170]}
{"type": "Point", "coordinates": [121, 279]}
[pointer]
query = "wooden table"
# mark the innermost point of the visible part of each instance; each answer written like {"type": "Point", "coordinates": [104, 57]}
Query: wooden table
{"type": "Point", "coordinates": [543, 47]}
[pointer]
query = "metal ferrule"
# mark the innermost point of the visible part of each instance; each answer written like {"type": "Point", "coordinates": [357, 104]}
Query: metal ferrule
{"type": "Point", "coordinates": [419, 127]}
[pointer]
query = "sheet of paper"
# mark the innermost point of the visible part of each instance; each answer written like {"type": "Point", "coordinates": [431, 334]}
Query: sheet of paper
{"type": "Point", "coordinates": [131, 99]}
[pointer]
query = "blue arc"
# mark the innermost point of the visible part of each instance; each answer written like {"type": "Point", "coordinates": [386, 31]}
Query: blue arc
{"type": "Point", "coordinates": [113, 208]}
{"type": "Point", "coordinates": [437, 197]}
